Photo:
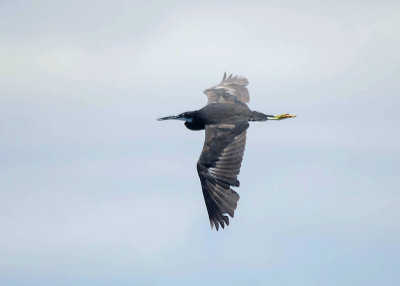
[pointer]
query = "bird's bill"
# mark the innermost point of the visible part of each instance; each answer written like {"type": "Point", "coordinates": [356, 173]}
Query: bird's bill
{"type": "Point", "coordinates": [170, 117]}
{"type": "Point", "coordinates": [281, 116]}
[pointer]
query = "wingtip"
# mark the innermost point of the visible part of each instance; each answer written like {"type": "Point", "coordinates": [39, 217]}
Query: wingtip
{"type": "Point", "coordinates": [226, 220]}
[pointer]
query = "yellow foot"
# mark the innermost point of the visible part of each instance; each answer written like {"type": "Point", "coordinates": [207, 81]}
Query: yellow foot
{"type": "Point", "coordinates": [282, 116]}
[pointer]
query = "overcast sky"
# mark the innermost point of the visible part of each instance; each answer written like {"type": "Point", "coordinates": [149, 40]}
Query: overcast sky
{"type": "Point", "coordinates": [95, 191]}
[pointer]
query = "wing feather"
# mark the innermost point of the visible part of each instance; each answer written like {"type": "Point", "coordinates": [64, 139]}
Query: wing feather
{"type": "Point", "coordinates": [232, 89]}
{"type": "Point", "coordinates": [218, 168]}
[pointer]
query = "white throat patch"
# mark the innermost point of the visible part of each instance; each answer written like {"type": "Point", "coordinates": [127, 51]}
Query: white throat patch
{"type": "Point", "coordinates": [185, 119]}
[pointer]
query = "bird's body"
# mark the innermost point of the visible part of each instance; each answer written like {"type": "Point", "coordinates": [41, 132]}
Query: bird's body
{"type": "Point", "coordinates": [225, 119]}
{"type": "Point", "coordinates": [219, 113]}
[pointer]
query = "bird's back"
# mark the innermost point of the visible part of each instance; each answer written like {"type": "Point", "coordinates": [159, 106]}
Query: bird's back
{"type": "Point", "coordinates": [224, 113]}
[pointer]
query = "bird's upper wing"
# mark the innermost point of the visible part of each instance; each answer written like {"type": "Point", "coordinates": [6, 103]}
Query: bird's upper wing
{"type": "Point", "coordinates": [218, 168]}
{"type": "Point", "coordinates": [231, 90]}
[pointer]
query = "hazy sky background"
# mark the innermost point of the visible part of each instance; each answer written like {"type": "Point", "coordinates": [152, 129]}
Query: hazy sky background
{"type": "Point", "coordinates": [95, 191]}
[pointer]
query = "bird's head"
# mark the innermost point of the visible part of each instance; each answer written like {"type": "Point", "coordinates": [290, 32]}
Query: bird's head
{"type": "Point", "coordinates": [191, 119]}
{"type": "Point", "coordinates": [185, 116]}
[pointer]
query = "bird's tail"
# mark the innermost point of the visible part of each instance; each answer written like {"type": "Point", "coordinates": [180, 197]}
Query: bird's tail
{"type": "Point", "coordinates": [258, 116]}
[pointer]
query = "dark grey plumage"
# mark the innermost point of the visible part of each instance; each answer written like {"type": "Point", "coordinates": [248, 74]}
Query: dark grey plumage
{"type": "Point", "coordinates": [225, 120]}
{"type": "Point", "coordinates": [218, 168]}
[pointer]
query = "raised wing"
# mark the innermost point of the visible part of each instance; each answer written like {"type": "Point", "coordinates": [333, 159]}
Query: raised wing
{"type": "Point", "coordinates": [230, 90]}
{"type": "Point", "coordinates": [218, 168]}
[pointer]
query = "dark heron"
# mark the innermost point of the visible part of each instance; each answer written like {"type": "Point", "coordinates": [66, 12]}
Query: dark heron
{"type": "Point", "coordinates": [226, 119]}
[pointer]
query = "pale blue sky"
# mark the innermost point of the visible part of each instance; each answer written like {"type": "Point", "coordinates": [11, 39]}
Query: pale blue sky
{"type": "Point", "coordinates": [95, 191]}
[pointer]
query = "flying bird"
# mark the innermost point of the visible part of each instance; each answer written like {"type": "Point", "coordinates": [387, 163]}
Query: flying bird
{"type": "Point", "coordinates": [225, 119]}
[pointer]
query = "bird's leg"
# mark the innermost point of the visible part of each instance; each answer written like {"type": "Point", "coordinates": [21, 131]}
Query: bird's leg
{"type": "Point", "coordinates": [280, 117]}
